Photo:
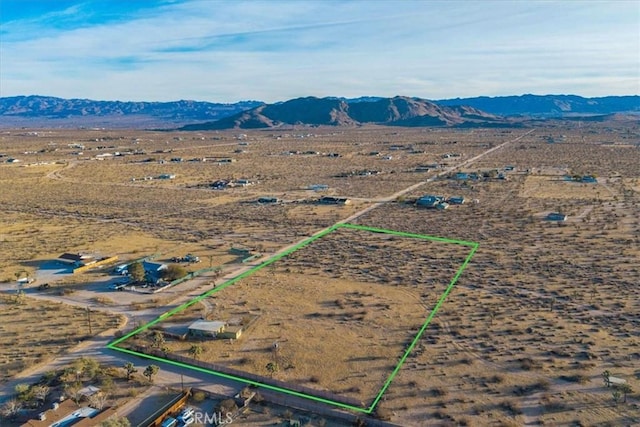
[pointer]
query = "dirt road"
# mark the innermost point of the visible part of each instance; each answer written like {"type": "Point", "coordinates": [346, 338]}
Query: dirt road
{"type": "Point", "coordinates": [171, 375]}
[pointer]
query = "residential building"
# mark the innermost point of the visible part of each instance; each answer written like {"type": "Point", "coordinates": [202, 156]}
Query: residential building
{"type": "Point", "coordinates": [330, 200]}
{"type": "Point", "coordinates": [206, 328]}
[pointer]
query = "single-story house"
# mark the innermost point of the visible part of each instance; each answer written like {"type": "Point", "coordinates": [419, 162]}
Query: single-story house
{"type": "Point", "coordinates": [167, 176]}
{"type": "Point", "coordinates": [589, 179]}
{"type": "Point", "coordinates": [458, 200]}
{"type": "Point", "coordinates": [206, 328]}
{"type": "Point", "coordinates": [67, 413]}
{"type": "Point", "coordinates": [76, 259]}
{"type": "Point", "coordinates": [235, 250]}
{"type": "Point", "coordinates": [556, 216]}
{"type": "Point", "coordinates": [462, 176]}
{"type": "Point", "coordinates": [428, 201]}
{"type": "Point", "coordinates": [268, 200]}
{"type": "Point", "coordinates": [330, 200]}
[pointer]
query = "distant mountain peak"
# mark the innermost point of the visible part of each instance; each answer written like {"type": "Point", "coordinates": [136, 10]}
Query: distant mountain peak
{"type": "Point", "coordinates": [399, 110]}
{"type": "Point", "coordinates": [313, 111]}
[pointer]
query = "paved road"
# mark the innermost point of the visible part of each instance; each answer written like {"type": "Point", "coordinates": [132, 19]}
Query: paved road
{"type": "Point", "coordinates": [170, 375]}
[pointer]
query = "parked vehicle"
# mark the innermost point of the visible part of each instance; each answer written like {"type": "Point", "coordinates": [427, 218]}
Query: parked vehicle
{"type": "Point", "coordinates": [169, 422]}
{"type": "Point", "coordinates": [187, 412]}
{"type": "Point", "coordinates": [190, 258]}
{"type": "Point", "coordinates": [186, 421]}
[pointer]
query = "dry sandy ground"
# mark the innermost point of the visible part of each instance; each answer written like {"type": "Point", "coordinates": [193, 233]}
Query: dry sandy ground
{"type": "Point", "coordinates": [539, 314]}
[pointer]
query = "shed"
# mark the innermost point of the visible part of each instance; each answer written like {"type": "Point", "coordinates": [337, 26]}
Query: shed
{"type": "Point", "coordinates": [206, 328]}
{"type": "Point", "coordinates": [231, 332]}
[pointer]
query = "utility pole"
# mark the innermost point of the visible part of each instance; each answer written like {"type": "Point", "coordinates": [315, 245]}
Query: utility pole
{"type": "Point", "coordinates": [276, 360]}
{"type": "Point", "coordinates": [89, 319]}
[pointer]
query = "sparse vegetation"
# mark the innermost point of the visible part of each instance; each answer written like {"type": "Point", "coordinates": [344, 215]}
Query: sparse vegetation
{"type": "Point", "coordinates": [541, 311]}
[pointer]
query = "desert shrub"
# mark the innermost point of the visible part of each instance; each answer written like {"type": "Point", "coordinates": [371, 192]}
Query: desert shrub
{"type": "Point", "coordinates": [383, 414]}
{"type": "Point", "coordinates": [103, 300]}
{"type": "Point", "coordinates": [227, 406]}
{"type": "Point", "coordinates": [438, 392]}
{"type": "Point", "coordinates": [440, 415]}
{"type": "Point", "coordinates": [575, 378]}
{"type": "Point", "coordinates": [496, 379]}
{"type": "Point", "coordinates": [529, 364]}
{"type": "Point", "coordinates": [510, 407]}
{"type": "Point", "coordinates": [287, 414]}
{"type": "Point", "coordinates": [173, 272]}
{"type": "Point", "coordinates": [199, 396]}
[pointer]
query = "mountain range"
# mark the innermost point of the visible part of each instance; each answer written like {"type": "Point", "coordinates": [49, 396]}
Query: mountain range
{"type": "Point", "coordinates": [397, 111]}
{"type": "Point", "coordinates": [44, 111]}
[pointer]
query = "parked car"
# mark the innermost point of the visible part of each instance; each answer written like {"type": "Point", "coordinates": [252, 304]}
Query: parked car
{"type": "Point", "coordinates": [187, 412]}
{"type": "Point", "coordinates": [169, 422]}
{"type": "Point", "coordinates": [186, 421]}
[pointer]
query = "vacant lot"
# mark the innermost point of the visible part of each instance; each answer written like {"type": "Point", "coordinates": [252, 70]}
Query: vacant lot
{"type": "Point", "coordinates": [36, 331]}
{"type": "Point", "coordinates": [342, 310]}
{"type": "Point", "coordinates": [541, 311]}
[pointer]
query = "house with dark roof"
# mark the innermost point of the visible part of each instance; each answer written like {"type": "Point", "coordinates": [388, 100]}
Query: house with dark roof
{"type": "Point", "coordinates": [432, 202]}
{"type": "Point", "coordinates": [268, 200]}
{"type": "Point", "coordinates": [76, 259]}
{"type": "Point", "coordinates": [330, 200]}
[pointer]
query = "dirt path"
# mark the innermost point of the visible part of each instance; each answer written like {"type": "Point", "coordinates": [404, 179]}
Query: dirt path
{"type": "Point", "coordinates": [96, 347]}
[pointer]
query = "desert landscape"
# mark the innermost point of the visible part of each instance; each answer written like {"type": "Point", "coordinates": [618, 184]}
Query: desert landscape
{"type": "Point", "coordinates": [541, 311]}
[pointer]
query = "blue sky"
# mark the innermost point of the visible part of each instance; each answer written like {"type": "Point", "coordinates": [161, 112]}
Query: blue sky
{"type": "Point", "coordinates": [225, 51]}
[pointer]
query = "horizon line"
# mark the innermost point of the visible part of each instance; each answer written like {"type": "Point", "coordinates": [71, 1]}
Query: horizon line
{"type": "Point", "coordinates": [321, 97]}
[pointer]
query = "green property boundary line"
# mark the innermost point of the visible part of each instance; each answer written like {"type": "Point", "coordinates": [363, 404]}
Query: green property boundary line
{"type": "Point", "coordinates": [473, 245]}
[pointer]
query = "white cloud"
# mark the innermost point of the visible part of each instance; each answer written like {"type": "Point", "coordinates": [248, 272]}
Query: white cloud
{"type": "Point", "coordinates": [227, 51]}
